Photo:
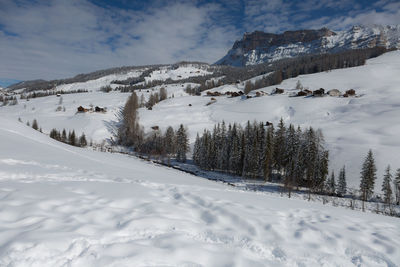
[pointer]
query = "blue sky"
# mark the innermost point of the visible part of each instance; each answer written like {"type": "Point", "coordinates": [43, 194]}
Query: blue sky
{"type": "Point", "coordinates": [50, 39]}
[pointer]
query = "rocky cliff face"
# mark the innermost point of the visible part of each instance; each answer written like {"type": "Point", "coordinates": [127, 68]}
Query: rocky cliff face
{"type": "Point", "coordinates": [260, 47]}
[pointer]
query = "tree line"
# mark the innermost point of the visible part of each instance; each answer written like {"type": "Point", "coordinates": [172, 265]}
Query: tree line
{"type": "Point", "coordinates": [36, 94]}
{"type": "Point", "coordinates": [71, 138]}
{"type": "Point", "coordinates": [390, 185]}
{"type": "Point", "coordinates": [295, 156]}
{"type": "Point", "coordinates": [290, 68]}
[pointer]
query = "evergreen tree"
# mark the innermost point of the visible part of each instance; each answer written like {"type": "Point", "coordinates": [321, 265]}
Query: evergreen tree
{"type": "Point", "coordinates": [331, 185]}
{"type": "Point", "coordinates": [53, 133]}
{"type": "Point", "coordinates": [341, 189]}
{"type": "Point", "coordinates": [261, 138]}
{"type": "Point", "coordinates": [368, 177]}
{"type": "Point", "coordinates": [235, 160]}
{"type": "Point", "coordinates": [249, 151]}
{"type": "Point", "coordinates": [82, 140]}
{"type": "Point", "coordinates": [299, 159]}
{"type": "Point", "coordinates": [35, 125]}
{"type": "Point", "coordinates": [310, 158]}
{"type": "Point", "coordinates": [224, 153]}
{"type": "Point", "coordinates": [182, 144]}
{"type": "Point", "coordinates": [396, 182]}
{"type": "Point", "coordinates": [197, 150]}
{"type": "Point", "coordinates": [386, 186]}
{"type": "Point", "coordinates": [169, 141]}
{"type": "Point", "coordinates": [280, 145]}
{"type": "Point", "coordinates": [64, 136]}
{"type": "Point", "coordinates": [289, 159]}
{"type": "Point", "coordinates": [72, 138]}
{"type": "Point", "coordinates": [322, 169]}
{"type": "Point", "coordinates": [269, 153]}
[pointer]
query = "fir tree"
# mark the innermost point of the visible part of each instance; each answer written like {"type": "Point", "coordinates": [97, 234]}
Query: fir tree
{"type": "Point", "coordinates": [235, 160]}
{"type": "Point", "coordinates": [386, 186]}
{"type": "Point", "coordinates": [368, 177]}
{"type": "Point", "coordinates": [197, 150]}
{"type": "Point", "coordinates": [53, 133]}
{"type": "Point", "coordinates": [72, 138]}
{"type": "Point", "coordinates": [396, 182]}
{"type": "Point", "coordinates": [182, 144]}
{"type": "Point", "coordinates": [35, 125]}
{"type": "Point", "coordinates": [82, 140]}
{"type": "Point", "coordinates": [169, 141]}
{"type": "Point", "coordinates": [64, 136]}
{"type": "Point", "coordinates": [341, 189]}
{"type": "Point", "coordinates": [331, 186]}
{"type": "Point", "coordinates": [280, 145]}
{"type": "Point", "coordinates": [269, 153]}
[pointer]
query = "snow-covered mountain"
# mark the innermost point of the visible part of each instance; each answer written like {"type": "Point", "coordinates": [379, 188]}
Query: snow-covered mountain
{"type": "Point", "coordinates": [260, 47]}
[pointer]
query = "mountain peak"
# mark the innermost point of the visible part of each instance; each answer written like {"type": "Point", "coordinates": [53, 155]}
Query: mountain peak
{"type": "Point", "coordinates": [260, 47]}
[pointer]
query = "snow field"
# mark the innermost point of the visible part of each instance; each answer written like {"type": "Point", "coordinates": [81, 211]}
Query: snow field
{"type": "Point", "coordinates": [62, 205]}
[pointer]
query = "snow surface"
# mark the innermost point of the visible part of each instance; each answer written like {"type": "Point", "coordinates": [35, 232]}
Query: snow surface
{"type": "Point", "coordinates": [95, 85]}
{"type": "Point", "coordinates": [351, 125]}
{"type": "Point", "coordinates": [67, 206]}
{"type": "Point", "coordinates": [179, 73]}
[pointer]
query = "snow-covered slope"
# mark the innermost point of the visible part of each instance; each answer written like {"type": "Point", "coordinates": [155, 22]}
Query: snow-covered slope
{"type": "Point", "coordinates": [259, 47]}
{"type": "Point", "coordinates": [351, 125]}
{"type": "Point", "coordinates": [66, 206]}
{"type": "Point", "coordinates": [96, 84]}
{"type": "Point", "coordinates": [182, 72]}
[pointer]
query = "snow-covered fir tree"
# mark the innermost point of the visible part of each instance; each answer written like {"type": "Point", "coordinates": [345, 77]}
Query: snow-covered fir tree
{"type": "Point", "coordinates": [342, 185]}
{"type": "Point", "coordinates": [331, 184]}
{"type": "Point", "coordinates": [396, 182]}
{"type": "Point", "coordinates": [169, 141]}
{"type": "Point", "coordinates": [182, 144]}
{"type": "Point", "coordinates": [368, 177]}
{"type": "Point", "coordinates": [387, 186]}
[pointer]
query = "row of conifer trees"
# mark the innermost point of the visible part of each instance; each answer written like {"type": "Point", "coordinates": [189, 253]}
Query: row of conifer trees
{"type": "Point", "coordinates": [297, 157]}
{"type": "Point", "coordinates": [71, 138]}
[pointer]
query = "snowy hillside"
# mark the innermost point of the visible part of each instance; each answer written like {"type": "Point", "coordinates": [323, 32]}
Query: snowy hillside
{"type": "Point", "coordinates": [351, 125]}
{"type": "Point", "coordinates": [259, 47]}
{"type": "Point", "coordinates": [97, 83]}
{"type": "Point", "coordinates": [61, 205]}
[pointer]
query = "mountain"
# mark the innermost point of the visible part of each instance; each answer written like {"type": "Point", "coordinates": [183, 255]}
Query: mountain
{"type": "Point", "coordinates": [260, 47]}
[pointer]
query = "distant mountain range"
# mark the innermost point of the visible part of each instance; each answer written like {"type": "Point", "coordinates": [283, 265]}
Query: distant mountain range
{"type": "Point", "coordinates": [260, 47]}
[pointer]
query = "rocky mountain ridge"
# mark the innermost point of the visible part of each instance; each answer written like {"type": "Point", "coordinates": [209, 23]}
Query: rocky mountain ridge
{"type": "Point", "coordinates": [260, 47]}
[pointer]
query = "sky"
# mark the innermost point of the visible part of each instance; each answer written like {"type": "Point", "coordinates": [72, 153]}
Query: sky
{"type": "Point", "coordinates": [51, 39]}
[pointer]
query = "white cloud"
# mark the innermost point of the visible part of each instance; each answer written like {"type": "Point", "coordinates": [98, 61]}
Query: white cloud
{"type": "Point", "coordinates": [62, 38]}
{"type": "Point", "coordinates": [57, 38]}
